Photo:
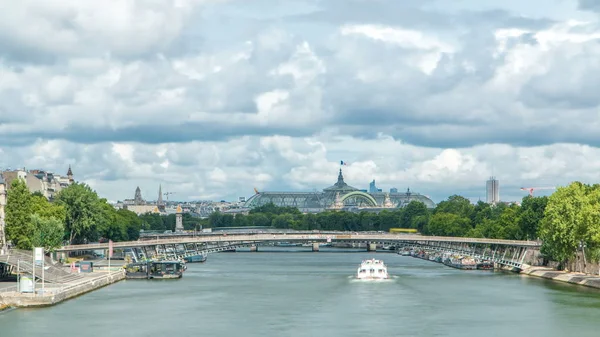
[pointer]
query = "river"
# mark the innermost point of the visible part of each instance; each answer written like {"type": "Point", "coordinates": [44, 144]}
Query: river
{"type": "Point", "coordinates": [301, 294]}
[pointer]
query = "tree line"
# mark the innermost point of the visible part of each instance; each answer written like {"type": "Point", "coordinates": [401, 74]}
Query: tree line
{"type": "Point", "coordinates": [75, 215]}
{"type": "Point", "coordinates": [456, 216]}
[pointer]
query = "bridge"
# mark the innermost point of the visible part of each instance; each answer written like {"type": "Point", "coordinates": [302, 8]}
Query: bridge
{"type": "Point", "coordinates": [508, 253]}
{"type": "Point", "coordinates": [511, 253]}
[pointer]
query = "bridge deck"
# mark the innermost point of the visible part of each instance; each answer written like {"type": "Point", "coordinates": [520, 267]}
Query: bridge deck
{"type": "Point", "coordinates": [304, 237]}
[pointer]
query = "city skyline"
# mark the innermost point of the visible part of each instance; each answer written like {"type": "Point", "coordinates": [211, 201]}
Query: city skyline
{"type": "Point", "coordinates": [428, 95]}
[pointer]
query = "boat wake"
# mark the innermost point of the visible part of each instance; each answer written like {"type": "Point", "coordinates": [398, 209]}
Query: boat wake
{"type": "Point", "coordinates": [391, 279]}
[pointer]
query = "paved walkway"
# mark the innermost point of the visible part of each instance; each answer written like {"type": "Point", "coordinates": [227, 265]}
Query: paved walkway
{"type": "Point", "coordinates": [562, 276]}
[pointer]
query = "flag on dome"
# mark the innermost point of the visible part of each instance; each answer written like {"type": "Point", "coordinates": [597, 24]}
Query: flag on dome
{"type": "Point", "coordinates": [343, 162]}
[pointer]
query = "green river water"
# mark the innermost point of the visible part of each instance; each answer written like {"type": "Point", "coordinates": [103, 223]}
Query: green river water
{"type": "Point", "coordinates": [313, 294]}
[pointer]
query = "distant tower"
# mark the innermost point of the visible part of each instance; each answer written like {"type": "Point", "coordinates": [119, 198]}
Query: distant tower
{"type": "Point", "coordinates": [492, 188]}
{"type": "Point", "coordinates": [159, 201]}
{"type": "Point", "coordinates": [138, 196]}
{"type": "Point", "coordinates": [372, 188]}
{"type": "Point", "coordinates": [70, 175]}
{"type": "Point", "coordinates": [179, 219]}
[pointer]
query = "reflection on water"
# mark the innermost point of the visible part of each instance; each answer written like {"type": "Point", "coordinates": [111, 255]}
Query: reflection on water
{"type": "Point", "coordinates": [315, 294]}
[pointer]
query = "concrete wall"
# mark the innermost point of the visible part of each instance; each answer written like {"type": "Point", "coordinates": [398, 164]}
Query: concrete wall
{"type": "Point", "coordinates": [577, 265]}
{"type": "Point", "coordinates": [30, 300]}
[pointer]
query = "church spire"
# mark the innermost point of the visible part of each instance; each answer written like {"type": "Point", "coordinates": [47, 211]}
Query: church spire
{"type": "Point", "coordinates": [70, 174]}
{"type": "Point", "coordinates": [160, 199]}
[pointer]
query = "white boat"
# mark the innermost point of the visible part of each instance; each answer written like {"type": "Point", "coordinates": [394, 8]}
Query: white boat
{"type": "Point", "coordinates": [372, 270]}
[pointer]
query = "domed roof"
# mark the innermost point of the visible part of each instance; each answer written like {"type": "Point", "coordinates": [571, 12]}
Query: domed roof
{"type": "Point", "coordinates": [340, 185]}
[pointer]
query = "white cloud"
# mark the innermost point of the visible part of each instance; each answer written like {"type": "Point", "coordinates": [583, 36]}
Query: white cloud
{"type": "Point", "coordinates": [212, 103]}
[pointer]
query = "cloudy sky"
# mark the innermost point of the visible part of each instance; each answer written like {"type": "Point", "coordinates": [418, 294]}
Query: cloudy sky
{"type": "Point", "coordinates": [211, 98]}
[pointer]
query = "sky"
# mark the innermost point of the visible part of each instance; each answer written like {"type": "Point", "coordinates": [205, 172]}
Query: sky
{"type": "Point", "coordinates": [213, 98]}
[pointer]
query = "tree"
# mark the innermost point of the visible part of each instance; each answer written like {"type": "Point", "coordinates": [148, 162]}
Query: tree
{"type": "Point", "coordinates": [41, 206]}
{"type": "Point", "coordinates": [509, 222]}
{"type": "Point", "coordinates": [456, 204]}
{"type": "Point", "coordinates": [130, 223]}
{"type": "Point", "coordinates": [448, 224]}
{"type": "Point", "coordinates": [83, 212]}
{"type": "Point", "coordinates": [109, 227]}
{"type": "Point", "coordinates": [413, 210]}
{"type": "Point", "coordinates": [19, 229]}
{"type": "Point", "coordinates": [48, 232]}
{"type": "Point", "coordinates": [564, 222]}
{"type": "Point", "coordinates": [532, 213]}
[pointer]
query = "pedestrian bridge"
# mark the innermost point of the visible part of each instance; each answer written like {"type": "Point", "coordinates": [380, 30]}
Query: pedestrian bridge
{"type": "Point", "coordinates": [380, 238]}
{"type": "Point", "coordinates": [511, 253]}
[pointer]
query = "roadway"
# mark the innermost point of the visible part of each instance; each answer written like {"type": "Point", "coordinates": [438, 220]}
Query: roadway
{"type": "Point", "coordinates": [301, 237]}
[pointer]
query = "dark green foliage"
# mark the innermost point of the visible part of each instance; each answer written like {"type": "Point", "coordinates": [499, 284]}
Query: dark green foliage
{"type": "Point", "coordinates": [19, 228]}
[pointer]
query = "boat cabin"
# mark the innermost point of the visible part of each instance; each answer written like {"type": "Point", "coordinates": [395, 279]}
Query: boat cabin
{"type": "Point", "coordinates": [154, 269]}
{"type": "Point", "coordinates": [166, 269]}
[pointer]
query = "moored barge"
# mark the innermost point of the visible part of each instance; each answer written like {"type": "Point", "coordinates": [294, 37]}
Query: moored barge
{"type": "Point", "coordinates": [155, 270]}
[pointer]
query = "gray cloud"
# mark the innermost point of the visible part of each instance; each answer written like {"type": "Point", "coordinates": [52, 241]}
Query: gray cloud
{"type": "Point", "coordinates": [593, 5]}
{"type": "Point", "coordinates": [197, 93]}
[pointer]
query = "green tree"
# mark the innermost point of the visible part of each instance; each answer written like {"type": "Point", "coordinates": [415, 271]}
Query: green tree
{"type": "Point", "coordinates": [409, 213]}
{"type": "Point", "coordinates": [41, 206]}
{"type": "Point", "coordinates": [532, 213]}
{"type": "Point", "coordinates": [130, 223]}
{"type": "Point", "coordinates": [84, 212]}
{"type": "Point", "coordinates": [19, 228]}
{"type": "Point", "coordinates": [48, 232]}
{"type": "Point", "coordinates": [109, 226]}
{"type": "Point", "coordinates": [448, 224]}
{"type": "Point", "coordinates": [458, 205]}
{"type": "Point", "coordinates": [563, 226]}
{"type": "Point", "coordinates": [509, 222]}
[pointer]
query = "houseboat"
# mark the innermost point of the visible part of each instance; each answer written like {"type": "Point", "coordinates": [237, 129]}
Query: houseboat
{"type": "Point", "coordinates": [155, 270]}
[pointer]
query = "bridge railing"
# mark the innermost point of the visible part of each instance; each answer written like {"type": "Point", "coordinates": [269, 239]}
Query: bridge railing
{"type": "Point", "coordinates": [304, 236]}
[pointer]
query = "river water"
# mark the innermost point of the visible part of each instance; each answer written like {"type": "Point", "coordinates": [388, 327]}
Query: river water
{"type": "Point", "coordinates": [313, 294]}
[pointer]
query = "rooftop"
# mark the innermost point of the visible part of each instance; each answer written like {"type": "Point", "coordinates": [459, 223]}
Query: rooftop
{"type": "Point", "coordinates": [340, 185]}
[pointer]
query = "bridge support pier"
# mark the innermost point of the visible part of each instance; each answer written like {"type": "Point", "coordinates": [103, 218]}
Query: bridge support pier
{"type": "Point", "coordinates": [254, 248]}
{"type": "Point", "coordinates": [315, 247]}
{"type": "Point", "coordinates": [371, 247]}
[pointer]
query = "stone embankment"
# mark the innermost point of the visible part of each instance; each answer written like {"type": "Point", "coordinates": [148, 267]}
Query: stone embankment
{"type": "Point", "coordinates": [54, 294]}
{"type": "Point", "coordinates": [563, 276]}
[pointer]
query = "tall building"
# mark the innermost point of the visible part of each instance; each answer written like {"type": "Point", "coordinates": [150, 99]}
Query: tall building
{"type": "Point", "coordinates": [373, 188]}
{"type": "Point", "coordinates": [492, 187]}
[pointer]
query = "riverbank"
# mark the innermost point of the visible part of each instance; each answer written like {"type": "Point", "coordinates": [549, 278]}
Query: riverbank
{"type": "Point", "coordinates": [562, 276]}
{"type": "Point", "coordinates": [55, 294]}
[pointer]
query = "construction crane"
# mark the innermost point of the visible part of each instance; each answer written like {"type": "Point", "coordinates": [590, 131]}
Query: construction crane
{"type": "Point", "coordinates": [167, 194]}
{"type": "Point", "coordinates": [531, 189]}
